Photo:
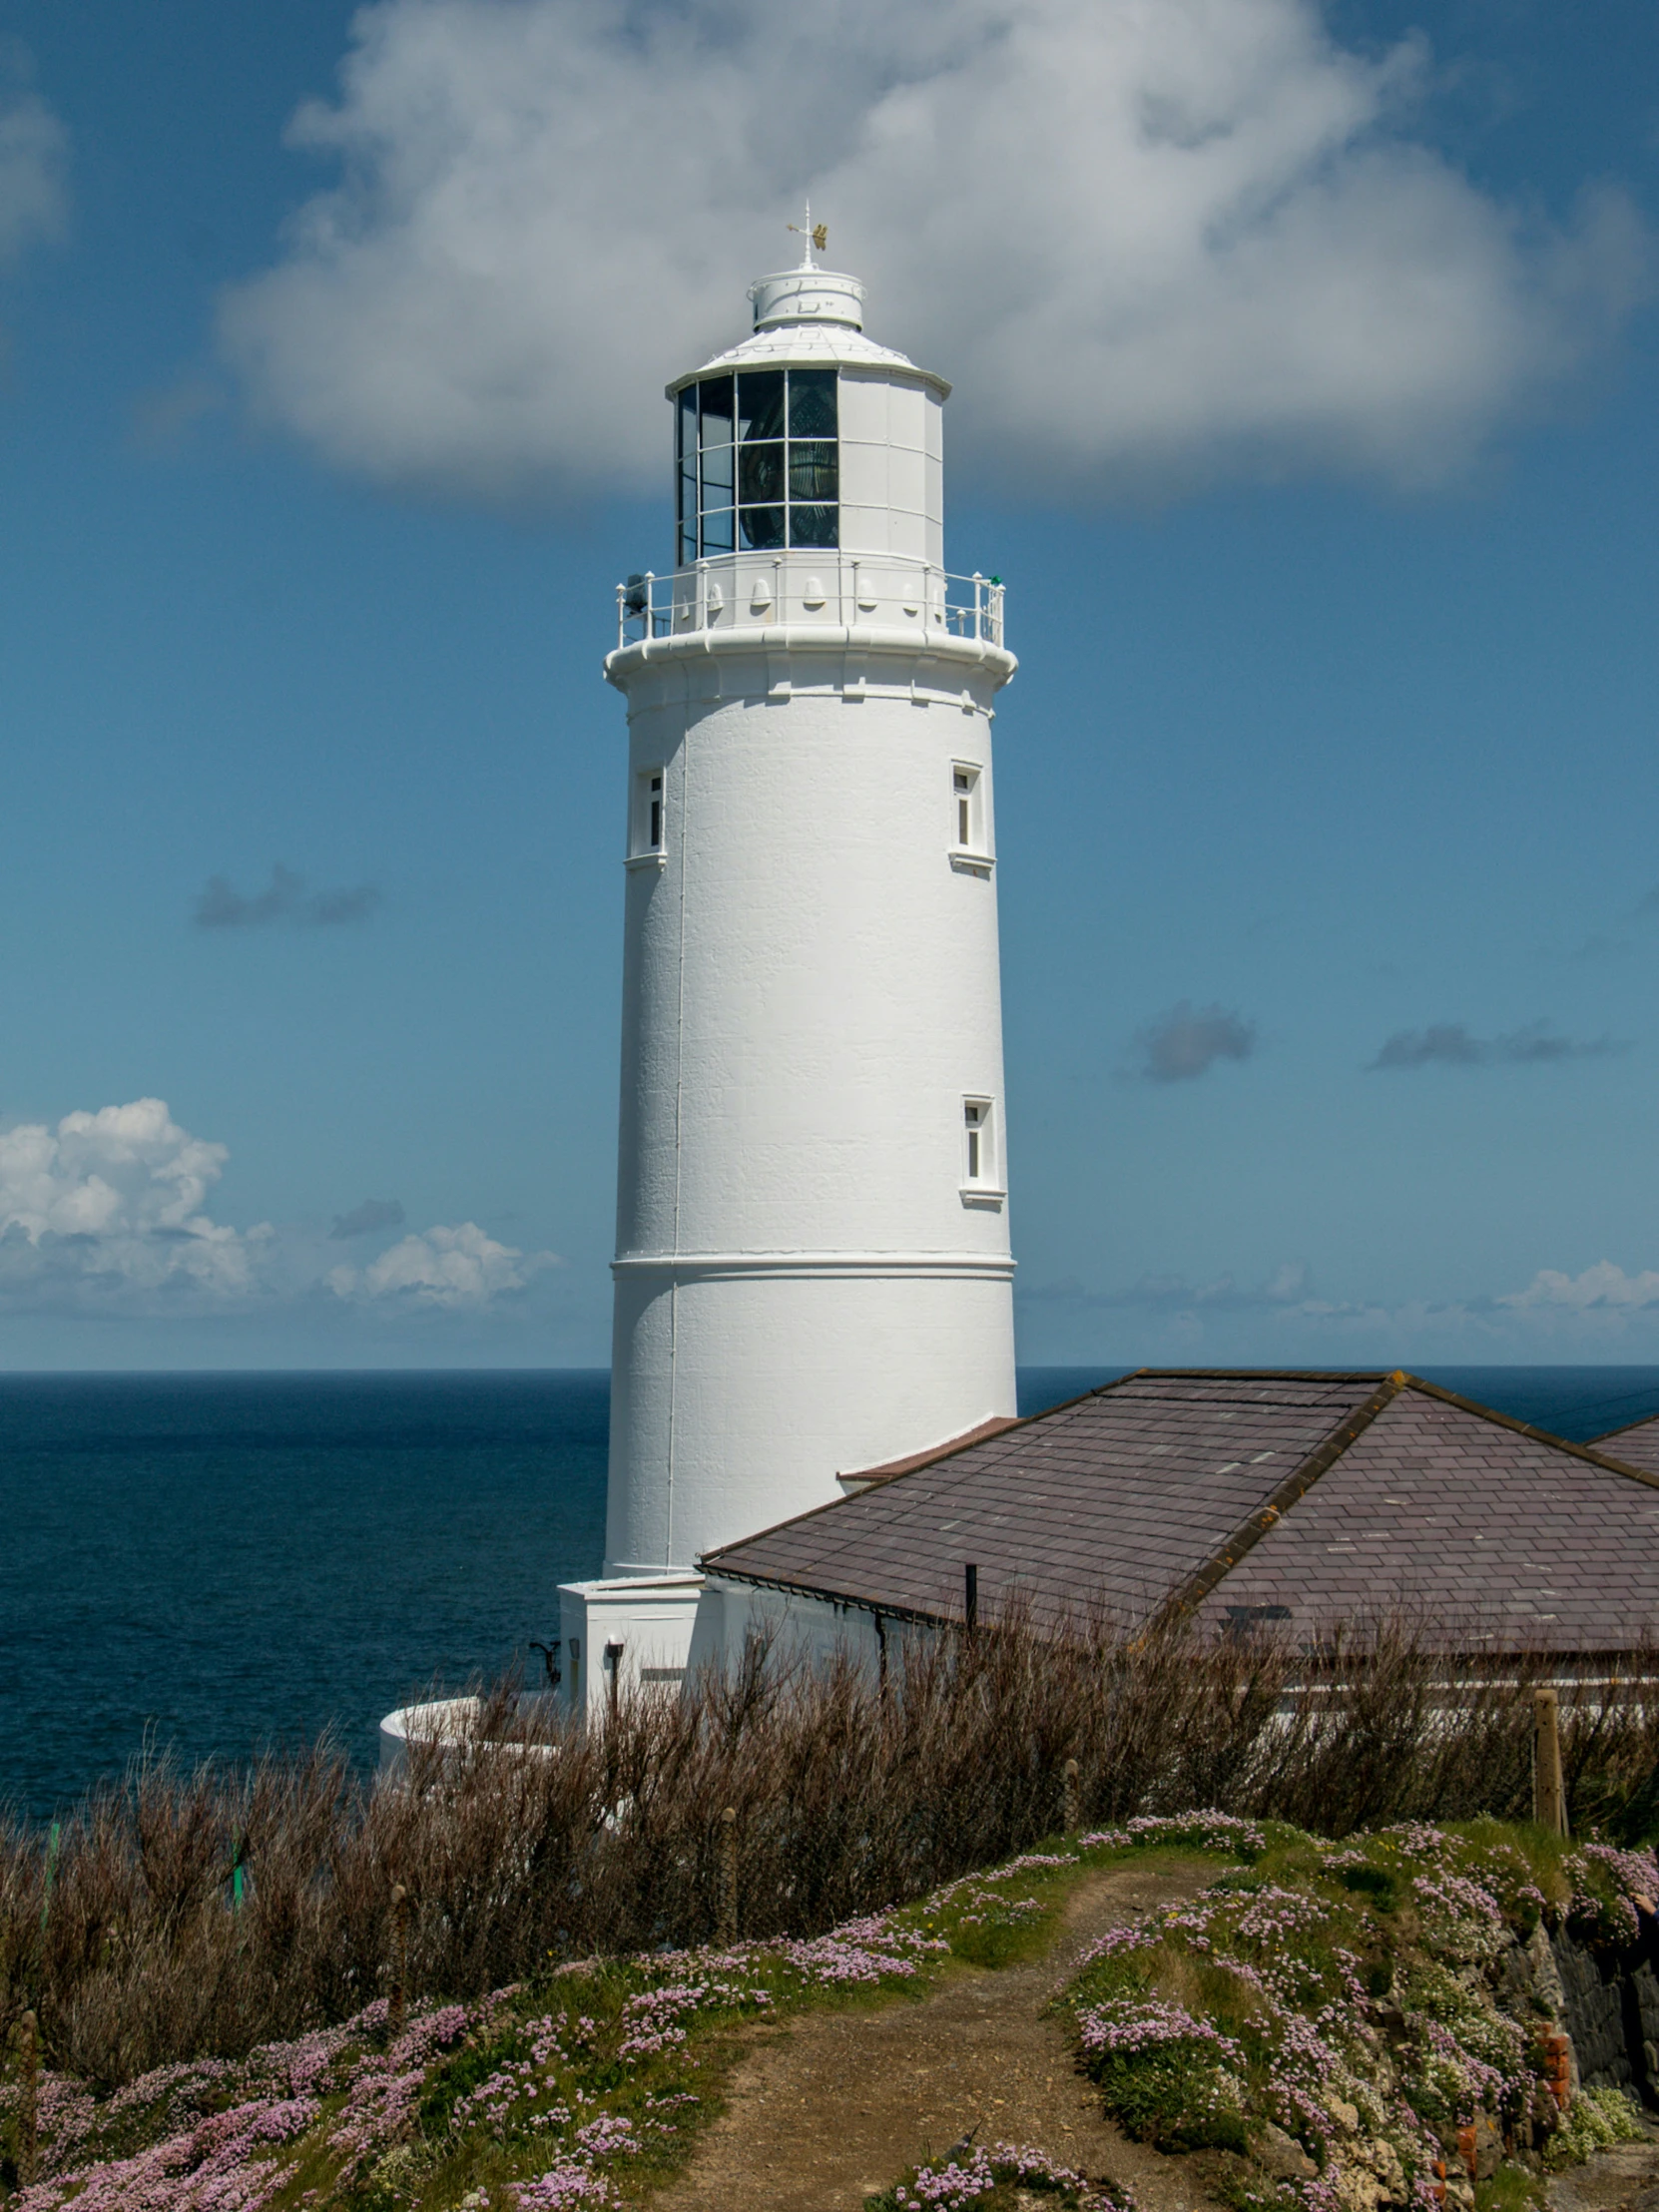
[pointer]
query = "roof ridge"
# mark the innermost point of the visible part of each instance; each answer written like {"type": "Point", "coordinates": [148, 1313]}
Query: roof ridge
{"type": "Point", "coordinates": [1539, 1435]}
{"type": "Point", "coordinates": [1644, 1421]}
{"type": "Point", "coordinates": [1261, 1374]}
{"type": "Point", "coordinates": [1195, 1588]}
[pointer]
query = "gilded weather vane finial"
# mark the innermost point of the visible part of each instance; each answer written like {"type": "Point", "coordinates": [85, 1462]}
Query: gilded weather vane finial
{"type": "Point", "coordinates": [814, 233]}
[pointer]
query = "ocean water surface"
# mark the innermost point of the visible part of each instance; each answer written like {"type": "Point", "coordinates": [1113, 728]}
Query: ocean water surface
{"type": "Point", "coordinates": [216, 1563]}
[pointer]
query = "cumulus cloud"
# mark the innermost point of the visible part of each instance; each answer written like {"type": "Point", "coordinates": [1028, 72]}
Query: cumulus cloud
{"type": "Point", "coordinates": [1189, 1040]}
{"type": "Point", "coordinates": [1147, 241]}
{"type": "Point", "coordinates": [1448, 1044]}
{"type": "Point", "coordinates": [1603, 1287]}
{"type": "Point", "coordinates": [111, 1203]}
{"type": "Point", "coordinates": [285, 898]}
{"type": "Point", "coordinates": [34, 162]}
{"type": "Point", "coordinates": [110, 1213]}
{"type": "Point", "coordinates": [372, 1213]}
{"type": "Point", "coordinates": [459, 1267]}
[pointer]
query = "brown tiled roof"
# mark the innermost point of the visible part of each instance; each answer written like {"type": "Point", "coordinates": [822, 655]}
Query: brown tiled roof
{"type": "Point", "coordinates": [1637, 1446]}
{"type": "Point", "coordinates": [1297, 1497]}
{"type": "Point", "coordinates": [889, 1467]}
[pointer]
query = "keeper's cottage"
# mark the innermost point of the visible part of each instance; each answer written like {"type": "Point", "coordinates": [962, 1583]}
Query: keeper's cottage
{"type": "Point", "coordinates": [813, 1272]}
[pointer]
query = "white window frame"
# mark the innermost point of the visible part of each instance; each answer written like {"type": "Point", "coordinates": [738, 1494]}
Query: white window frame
{"type": "Point", "coordinates": [980, 1154]}
{"type": "Point", "coordinates": [972, 851]}
{"type": "Point", "coordinates": [650, 799]}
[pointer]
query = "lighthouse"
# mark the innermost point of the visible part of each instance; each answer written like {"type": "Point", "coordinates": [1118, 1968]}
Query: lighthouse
{"type": "Point", "coordinates": [812, 1275]}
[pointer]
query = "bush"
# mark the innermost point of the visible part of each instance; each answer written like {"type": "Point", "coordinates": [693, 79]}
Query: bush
{"type": "Point", "coordinates": [852, 1795]}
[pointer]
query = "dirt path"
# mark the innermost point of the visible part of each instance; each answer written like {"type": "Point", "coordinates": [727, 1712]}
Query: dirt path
{"type": "Point", "coordinates": [1625, 2179]}
{"type": "Point", "coordinates": [835, 2108]}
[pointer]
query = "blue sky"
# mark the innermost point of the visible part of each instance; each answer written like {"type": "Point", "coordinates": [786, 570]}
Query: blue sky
{"type": "Point", "coordinates": [1306, 398]}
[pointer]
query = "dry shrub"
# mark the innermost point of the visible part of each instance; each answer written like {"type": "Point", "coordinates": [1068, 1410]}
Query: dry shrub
{"type": "Point", "coordinates": [537, 1841]}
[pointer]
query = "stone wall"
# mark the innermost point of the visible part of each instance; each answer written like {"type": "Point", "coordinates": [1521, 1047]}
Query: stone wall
{"type": "Point", "coordinates": [1609, 2005]}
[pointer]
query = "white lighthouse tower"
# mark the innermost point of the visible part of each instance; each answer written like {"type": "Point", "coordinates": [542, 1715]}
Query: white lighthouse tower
{"type": "Point", "coordinates": [813, 1272]}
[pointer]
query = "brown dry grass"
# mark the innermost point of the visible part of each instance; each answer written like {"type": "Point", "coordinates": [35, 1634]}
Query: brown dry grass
{"type": "Point", "coordinates": [851, 1796]}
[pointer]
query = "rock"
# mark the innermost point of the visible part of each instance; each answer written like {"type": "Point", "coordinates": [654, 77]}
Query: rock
{"type": "Point", "coordinates": [1283, 2156]}
{"type": "Point", "coordinates": [1357, 2188]}
{"type": "Point", "coordinates": [1488, 2146]}
{"type": "Point", "coordinates": [1547, 1991]}
{"type": "Point", "coordinates": [1347, 2116]}
{"type": "Point", "coordinates": [1384, 2160]}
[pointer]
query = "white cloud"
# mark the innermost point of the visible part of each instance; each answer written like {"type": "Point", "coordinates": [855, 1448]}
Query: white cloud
{"type": "Point", "coordinates": [33, 157]}
{"type": "Point", "coordinates": [459, 1267]}
{"type": "Point", "coordinates": [109, 1212]}
{"type": "Point", "coordinates": [1602, 1288]}
{"type": "Point", "coordinates": [1148, 241]}
{"type": "Point", "coordinates": [111, 1204]}
{"type": "Point", "coordinates": [1602, 1313]}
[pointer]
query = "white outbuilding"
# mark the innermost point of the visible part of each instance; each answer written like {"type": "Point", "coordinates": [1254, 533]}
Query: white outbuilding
{"type": "Point", "coordinates": [813, 1272]}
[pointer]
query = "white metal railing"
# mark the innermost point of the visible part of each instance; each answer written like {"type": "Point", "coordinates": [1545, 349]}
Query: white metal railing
{"type": "Point", "coordinates": [738, 591]}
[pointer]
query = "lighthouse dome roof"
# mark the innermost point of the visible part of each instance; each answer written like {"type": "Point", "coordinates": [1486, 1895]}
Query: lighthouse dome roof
{"type": "Point", "coordinates": [810, 318]}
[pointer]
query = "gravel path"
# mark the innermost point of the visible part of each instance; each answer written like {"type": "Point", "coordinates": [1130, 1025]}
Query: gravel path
{"type": "Point", "coordinates": [837, 2106]}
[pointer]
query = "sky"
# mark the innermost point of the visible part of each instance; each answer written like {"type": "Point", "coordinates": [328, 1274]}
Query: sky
{"type": "Point", "coordinates": [1306, 374]}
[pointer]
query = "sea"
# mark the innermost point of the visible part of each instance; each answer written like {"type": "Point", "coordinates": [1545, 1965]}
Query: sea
{"type": "Point", "coordinates": [207, 1566]}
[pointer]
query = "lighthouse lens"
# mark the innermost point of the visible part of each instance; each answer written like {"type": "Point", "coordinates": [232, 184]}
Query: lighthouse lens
{"type": "Point", "coordinates": [761, 527]}
{"type": "Point", "coordinates": [760, 404]}
{"type": "Point", "coordinates": [812, 469]}
{"type": "Point", "coordinates": [814, 525]}
{"type": "Point", "coordinates": [760, 473]}
{"type": "Point", "coordinates": [812, 404]}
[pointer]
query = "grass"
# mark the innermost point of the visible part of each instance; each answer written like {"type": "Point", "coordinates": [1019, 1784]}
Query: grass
{"type": "Point", "coordinates": [480, 2103]}
{"type": "Point", "coordinates": [1374, 2002]}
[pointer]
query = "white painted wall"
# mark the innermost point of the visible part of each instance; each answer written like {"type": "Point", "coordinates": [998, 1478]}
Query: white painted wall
{"type": "Point", "coordinates": [617, 1637]}
{"type": "Point", "coordinates": [804, 1286]}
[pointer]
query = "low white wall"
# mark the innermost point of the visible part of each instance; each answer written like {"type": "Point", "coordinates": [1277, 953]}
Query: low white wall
{"type": "Point", "coordinates": [451, 1722]}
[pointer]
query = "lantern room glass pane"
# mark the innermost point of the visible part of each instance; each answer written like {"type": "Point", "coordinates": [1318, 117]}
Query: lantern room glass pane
{"type": "Point", "coordinates": [812, 404]}
{"type": "Point", "coordinates": [760, 473]}
{"type": "Point", "coordinates": [814, 525]}
{"type": "Point", "coordinates": [813, 473]}
{"type": "Point", "coordinates": [762, 528]}
{"type": "Point", "coordinates": [688, 543]}
{"type": "Point", "coordinates": [760, 404]}
{"type": "Point", "coordinates": [717, 476]}
{"type": "Point", "coordinates": [715, 395]}
{"type": "Point", "coordinates": [716, 531]}
{"type": "Point", "coordinates": [685, 423]}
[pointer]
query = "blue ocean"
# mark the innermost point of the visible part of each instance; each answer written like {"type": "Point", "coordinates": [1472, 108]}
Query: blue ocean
{"type": "Point", "coordinates": [218, 1562]}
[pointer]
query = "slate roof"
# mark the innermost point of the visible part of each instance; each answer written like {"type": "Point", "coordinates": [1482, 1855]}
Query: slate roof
{"type": "Point", "coordinates": [1637, 1446]}
{"type": "Point", "coordinates": [1300, 1498]}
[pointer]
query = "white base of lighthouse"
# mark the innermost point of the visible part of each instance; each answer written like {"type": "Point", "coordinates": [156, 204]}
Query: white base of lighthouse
{"type": "Point", "coordinates": [750, 1383]}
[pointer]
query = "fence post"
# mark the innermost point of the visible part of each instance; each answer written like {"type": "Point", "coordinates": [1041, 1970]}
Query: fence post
{"type": "Point", "coordinates": [1550, 1797]}
{"type": "Point", "coordinates": [28, 2109]}
{"type": "Point", "coordinates": [728, 1931]}
{"type": "Point", "coordinates": [398, 2006]}
{"type": "Point", "coordinates": [1073, 1812]}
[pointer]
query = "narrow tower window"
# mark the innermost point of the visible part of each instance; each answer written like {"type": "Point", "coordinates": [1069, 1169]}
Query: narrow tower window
{"type": "Point", "coordinates": [646, 830]}
{"type": "Point", "coordinates": [978, 1133]}
{"type": "Point", "coordinates": [968, 802]}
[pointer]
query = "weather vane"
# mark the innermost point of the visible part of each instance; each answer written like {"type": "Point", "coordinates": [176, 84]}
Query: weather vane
{"type": "Point", "coordinates": [815, 234]}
